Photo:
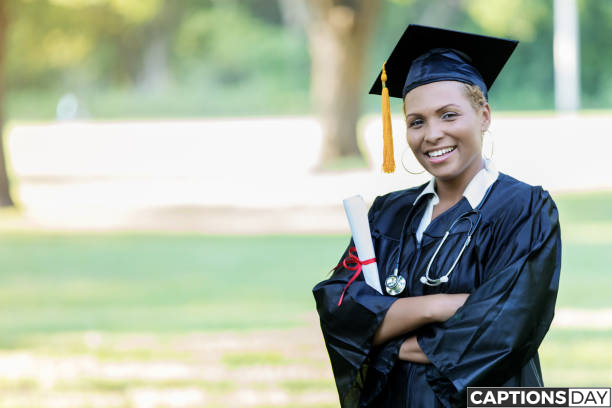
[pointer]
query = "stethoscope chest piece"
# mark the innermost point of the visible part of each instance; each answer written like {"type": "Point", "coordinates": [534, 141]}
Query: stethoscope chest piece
{"type": "Point", "coordinates": [395, 284]}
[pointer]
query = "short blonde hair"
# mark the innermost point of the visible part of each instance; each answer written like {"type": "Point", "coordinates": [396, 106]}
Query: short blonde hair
{"type": "Point", "coordinates": [475, 95]}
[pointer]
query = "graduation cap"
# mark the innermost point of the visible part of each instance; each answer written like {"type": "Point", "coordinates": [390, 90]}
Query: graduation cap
{"type": "Point", "coordinates": [428, 54]}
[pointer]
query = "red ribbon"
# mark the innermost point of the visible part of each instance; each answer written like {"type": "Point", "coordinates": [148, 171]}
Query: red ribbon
{"type": "Point", "coordinates": [352, 263]}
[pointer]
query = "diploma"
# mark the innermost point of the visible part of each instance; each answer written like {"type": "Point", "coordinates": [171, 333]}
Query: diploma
{"type": "Point", "coordinates": [357, 215]}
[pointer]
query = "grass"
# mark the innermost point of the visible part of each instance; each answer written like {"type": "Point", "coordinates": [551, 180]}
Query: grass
{"type": "Point", "coordinates": [135, 300]}
{"type": "Point", "coordinates": [53, 282]}
{"type": "Point", "coordinates": [106, 385]}
{"type": "Point", "coordinates": [253, 358]}
{"type": "Point", "coordinates": [586, 230]}
{"type": "Point", "coordinates": [577, 357]}
{"type": "Point", "coordinates": [307, 385]}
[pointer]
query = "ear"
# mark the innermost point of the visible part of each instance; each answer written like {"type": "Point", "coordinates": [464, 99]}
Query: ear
{"type": "Point", "coordinates": [485, 117]}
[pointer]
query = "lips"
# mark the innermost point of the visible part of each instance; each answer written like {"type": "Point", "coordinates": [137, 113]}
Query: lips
{"type": "Point", "coordinates": [439, 155]}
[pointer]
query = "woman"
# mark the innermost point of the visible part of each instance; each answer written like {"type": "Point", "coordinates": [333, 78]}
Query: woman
{"type": "Point", "coordinates": [476, 252]}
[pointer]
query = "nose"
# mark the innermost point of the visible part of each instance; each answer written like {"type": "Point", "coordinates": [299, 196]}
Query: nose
{"type": "Point", "coordinates": [433, 132]}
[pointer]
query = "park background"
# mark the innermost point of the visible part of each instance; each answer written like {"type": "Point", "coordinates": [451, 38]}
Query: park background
{"type": "Point", "coordinates": [174, 194]}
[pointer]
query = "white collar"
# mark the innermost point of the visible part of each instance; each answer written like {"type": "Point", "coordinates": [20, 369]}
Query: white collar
{"type": "Point", "coordinates": [475, 190]}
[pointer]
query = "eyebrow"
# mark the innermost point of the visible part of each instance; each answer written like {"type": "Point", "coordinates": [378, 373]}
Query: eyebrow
{"type": "Point", "coordinates": [437, 110]}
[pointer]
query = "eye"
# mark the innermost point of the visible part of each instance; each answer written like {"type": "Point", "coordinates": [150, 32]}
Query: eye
{"type": "Point", "coordinates": [449, 115]}
{"type": "Point", "coordinates": [415, 123]}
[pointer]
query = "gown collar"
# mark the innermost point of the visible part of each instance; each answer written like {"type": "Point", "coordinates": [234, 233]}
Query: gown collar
{"type": "Point", "coordinates": [475, 190]}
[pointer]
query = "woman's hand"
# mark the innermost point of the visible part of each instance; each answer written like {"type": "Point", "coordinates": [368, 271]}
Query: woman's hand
{"type": "Point", "coordinates": [410, 313]}
{"type": "Point", "coordinates": [411, 351]}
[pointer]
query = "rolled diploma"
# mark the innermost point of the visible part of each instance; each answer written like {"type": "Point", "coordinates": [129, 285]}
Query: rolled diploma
{"type": "Point", "coordinates": [357, 214]}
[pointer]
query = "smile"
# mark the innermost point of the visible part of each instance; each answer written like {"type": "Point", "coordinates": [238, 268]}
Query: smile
{"type": "Point", "coordinates": [441, 152]}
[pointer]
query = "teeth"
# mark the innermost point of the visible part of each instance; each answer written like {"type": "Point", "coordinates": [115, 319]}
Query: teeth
{"type": "Point", "coordinates": [440, 152]}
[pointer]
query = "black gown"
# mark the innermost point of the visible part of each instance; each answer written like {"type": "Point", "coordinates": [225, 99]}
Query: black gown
{"type": "Point", "coordinates": [511, 270]}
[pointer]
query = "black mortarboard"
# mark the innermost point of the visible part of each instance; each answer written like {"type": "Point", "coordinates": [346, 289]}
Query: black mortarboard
{"type": "Point", "coordinates": [429, 54]}
{"type": "Point", "coordinates": [479, 59]}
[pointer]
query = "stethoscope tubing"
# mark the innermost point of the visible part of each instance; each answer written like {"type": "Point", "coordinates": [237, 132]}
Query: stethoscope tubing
{"type": "Point", "coordinates": [425, 279]}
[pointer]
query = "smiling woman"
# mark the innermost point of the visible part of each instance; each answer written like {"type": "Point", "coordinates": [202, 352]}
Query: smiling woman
{"type": "Point", "coordinates": [479, 251]}
{"type": "Point", "coordinates": [447, 139]}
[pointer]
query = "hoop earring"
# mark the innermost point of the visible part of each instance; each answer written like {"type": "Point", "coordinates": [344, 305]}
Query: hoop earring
{"type": "Point", "coordinates": [491, 143]}
{"type": "Point", "coordinates": [404, 165]}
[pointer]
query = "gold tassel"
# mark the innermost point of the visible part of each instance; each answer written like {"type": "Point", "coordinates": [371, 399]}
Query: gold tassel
{"type": "Point", "coordinates": [388, 159]}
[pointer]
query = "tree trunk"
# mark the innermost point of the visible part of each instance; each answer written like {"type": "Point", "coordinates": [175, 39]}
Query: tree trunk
{"type": "Point", "coordinates": [5, 197]}
{"type": "Point", "coordinates": [338, 33]}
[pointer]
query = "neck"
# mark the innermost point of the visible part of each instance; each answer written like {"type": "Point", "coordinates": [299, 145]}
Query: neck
{"type": "Point", "coordinates": [451, 190]}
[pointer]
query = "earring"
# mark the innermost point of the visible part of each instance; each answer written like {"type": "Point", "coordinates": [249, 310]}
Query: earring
{"type": "Point", "coordinates": [488, 140]}
{"type": "Point", "coordinates": [407, 149]}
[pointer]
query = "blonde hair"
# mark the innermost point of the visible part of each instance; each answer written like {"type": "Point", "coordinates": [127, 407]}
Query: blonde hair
{"type": "Point", "coordinates": [475, 95]}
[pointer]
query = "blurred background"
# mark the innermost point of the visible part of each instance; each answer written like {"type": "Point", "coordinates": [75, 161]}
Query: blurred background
{"type": "Point", "coordinates": [171, 178]}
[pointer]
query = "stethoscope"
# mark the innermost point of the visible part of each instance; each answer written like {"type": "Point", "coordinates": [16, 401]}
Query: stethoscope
{"type": "Point", "coordinates": [395, 283]}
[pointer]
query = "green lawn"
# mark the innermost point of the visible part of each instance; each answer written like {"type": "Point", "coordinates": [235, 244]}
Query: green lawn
{"type": "Point", "coordinates": [55, 282]}
{"type": "Point", "coordinates": [227, 304]}
{"type": "Point", "coordinates": [118, 281]}
{"type": "Point", "coordinates": [586, 230]}
{"type": "Point", "coordinates": [573, 358]}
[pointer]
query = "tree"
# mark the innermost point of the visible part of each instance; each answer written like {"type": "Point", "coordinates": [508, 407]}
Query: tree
{"type": "Point", "coordinates": [338, 32]}
{"type": "Point", "coordinates": [151, 17]}
{"type": "Point", "coordinates": [5, 196]}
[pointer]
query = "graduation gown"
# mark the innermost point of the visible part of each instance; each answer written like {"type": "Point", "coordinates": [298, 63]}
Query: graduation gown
{"type": "Point", "coordinates": [510, 268]}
